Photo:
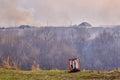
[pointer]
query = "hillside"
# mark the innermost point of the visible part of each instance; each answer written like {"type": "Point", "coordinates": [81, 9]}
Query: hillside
{"type": "Point", "coordinates": [58, 75]}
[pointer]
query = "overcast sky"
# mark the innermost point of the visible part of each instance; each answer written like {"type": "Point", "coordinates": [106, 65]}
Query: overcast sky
{"type": "Point", "coordinates": [59, 12]}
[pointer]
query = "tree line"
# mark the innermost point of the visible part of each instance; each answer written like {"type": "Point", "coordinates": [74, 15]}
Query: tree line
{"type": "Point", "coordinates": [51, 47]}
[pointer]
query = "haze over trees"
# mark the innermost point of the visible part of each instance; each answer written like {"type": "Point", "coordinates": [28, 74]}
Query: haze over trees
{"type": "Point", "coordinates": [27, 47]}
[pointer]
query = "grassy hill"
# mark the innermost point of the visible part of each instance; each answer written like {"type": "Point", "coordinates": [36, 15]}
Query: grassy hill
{"type": "Point", "coordinates": [6, 74]}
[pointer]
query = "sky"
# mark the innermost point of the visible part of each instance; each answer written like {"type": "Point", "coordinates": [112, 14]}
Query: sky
{"type": "Point", "coordinates": [59, 12]}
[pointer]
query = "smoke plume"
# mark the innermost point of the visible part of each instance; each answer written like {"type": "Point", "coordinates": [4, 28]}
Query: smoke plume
{"type": "Point", "coordinates": [59, 12]}
{"type": "Point", "coordinates": [12, 14]}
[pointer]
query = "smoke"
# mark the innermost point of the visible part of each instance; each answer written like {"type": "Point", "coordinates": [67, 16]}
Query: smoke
{"type": "Point", "coordinates": [12, 14]}
{"type": "Point", "coordinates": [97, 12]}
{"type": "Point", "coordinates": [59, 12]}
{"type": "Point", "coordinates": [110, 12]}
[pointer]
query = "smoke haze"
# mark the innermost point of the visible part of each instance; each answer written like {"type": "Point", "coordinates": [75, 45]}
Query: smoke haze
{"type": "Point", "coordinates": [11, 14]}
{"type": "Point", "coordinates": [59, 12]}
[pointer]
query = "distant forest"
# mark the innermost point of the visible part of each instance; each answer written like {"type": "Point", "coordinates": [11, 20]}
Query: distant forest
{"type": "Point", "coordinates": [26, 48]}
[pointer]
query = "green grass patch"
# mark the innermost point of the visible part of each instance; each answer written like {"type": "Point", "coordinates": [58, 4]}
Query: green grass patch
{"type": "Point", "coordinates": [6, 74]}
